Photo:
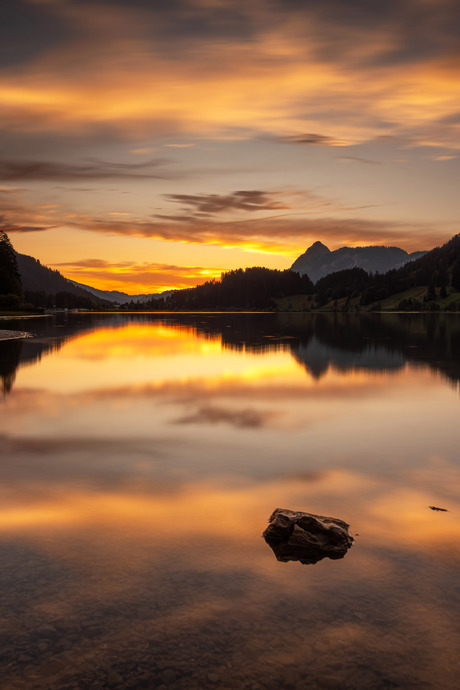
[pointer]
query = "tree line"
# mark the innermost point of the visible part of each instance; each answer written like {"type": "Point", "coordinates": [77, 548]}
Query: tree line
{"type": "Point", "coordinates": [240, 289]}
{"type": "Point", "coordinates": [257, 287]}
{"type": "Point", "coordinates": [438, 270]}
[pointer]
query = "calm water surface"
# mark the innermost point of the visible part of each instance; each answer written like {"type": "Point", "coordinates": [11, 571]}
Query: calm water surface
{"type": "Point", "coordinates": [141, 457]}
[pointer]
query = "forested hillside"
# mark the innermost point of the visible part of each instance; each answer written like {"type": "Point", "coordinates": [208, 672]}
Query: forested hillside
{"type": "Point", "coordinates": [439, 268]}
{"type": "Point", "coordinates": [45, 287]}
{"type": "Point", "coordinates": [250, 288]}
{"type": "Point", "coordinates": [433, 278]}
{"type": "Point", "coordinates": [437, 272]}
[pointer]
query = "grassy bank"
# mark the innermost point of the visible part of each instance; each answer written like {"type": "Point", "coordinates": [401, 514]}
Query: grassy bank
{"type": "Point", "coordinates": [414, 299]}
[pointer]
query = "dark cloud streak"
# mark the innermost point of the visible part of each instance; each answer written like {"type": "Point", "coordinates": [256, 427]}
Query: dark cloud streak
{"type": "Point", "coordinates": [309, 139]}
{"type": "Point", "coordinates": [8, 227]}
{"type": "Point", "coordinates": [246, 418]}
{"type": "Point", "coordinates": [358, 159]}
{"type": "Point", "coordinates": [208, 204]}
{"type": "Point", "coordinates": [28, 29]}
{"type": "Point", "coordinates": [277, 234]}
{"type": "Point", "coordinates": [14, 171]}
{"type": "Point", "coordinates": [135, 266]}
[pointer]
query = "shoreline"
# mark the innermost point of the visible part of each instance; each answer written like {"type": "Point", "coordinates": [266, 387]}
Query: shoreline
{"type": "Point", "coordinates": [14, 335]}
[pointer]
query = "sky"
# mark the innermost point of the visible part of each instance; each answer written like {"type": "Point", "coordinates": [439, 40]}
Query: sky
{"type": "Point", "coordinates": [152, 144]}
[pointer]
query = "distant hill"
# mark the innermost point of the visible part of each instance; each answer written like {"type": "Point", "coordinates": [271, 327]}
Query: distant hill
{"type": "Point", "coordinates": [121, 297]}
{"type": "Point", "coordinates": [38, 278]}
{"type": "Point", "coordinates": [319, 261]}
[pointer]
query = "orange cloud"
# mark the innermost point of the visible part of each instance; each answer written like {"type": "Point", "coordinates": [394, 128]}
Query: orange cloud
{"type": "Point", "coordinates": [134, 277]}
{"type": "Point", "coordinates": [294, 72]}
{"type": "Point", "coordinates": [141, 77]}
{"type": "Point", "coordinates": [277, 235]}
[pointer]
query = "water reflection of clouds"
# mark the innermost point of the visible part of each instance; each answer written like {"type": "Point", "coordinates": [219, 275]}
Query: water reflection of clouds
{"type": "Point", "coordinates": [261, 386]}
{"type": "Point", "coordinates": [147, 341]}
{"type": "Point", "coordinates": [133, 498]}
{"type": "Point", "coordinates": [385, 516]}
{"type": "Point", "coordinates": [181, 429]}
{"type": "Point", "coordinates": [243, 418]}
{"type": "Point", "coordinates": [188, 570]}
{"type": "Point", "coordinates": [71, 373]}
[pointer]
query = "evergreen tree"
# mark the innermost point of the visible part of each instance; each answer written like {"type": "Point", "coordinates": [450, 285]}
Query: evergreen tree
{"type": "Point", "coordinates": [10, 280]}
{"type": "Point", "coordinates": [456, 275]}
{"type": "Point", "coordinates": [431, 293]}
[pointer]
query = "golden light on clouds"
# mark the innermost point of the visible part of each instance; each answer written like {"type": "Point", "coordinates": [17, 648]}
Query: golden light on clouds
{"type": "Point", "coordinates": [244, 97]}
{"type": "Point", "coordinates": [254, 88]}
{"type": "Point", "coordinates": [136, 278]}
{"type": "Point", "coordinates": [279, 81]}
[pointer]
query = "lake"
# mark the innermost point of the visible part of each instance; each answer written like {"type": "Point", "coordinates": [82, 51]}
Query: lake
{"type": "Point", "coordinates": [141, 457]}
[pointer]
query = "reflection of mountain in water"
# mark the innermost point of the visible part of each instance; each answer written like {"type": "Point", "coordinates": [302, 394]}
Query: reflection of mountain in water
{"type": "Point", "coordinates": [317, 358]}
{"type": "Point", "coordinates": [368, 342]}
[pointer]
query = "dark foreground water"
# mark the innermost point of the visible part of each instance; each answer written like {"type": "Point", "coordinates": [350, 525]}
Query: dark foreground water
{"type": "Point", "coordinates": [141, 457]}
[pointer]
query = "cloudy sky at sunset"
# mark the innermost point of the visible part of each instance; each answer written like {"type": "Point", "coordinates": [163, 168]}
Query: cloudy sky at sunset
{"type": "Point", "coordinates": [152, 144]}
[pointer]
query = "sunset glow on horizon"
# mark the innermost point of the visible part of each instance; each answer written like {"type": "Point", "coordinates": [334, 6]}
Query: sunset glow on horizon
{"type": "Point", "coordinates": [148, 147]}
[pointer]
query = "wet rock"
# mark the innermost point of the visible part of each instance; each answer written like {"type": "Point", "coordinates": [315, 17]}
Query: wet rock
{"type": "Point", "coordinates": [14, 335]}
{"type": "Point", "coordinates": [305, 537]}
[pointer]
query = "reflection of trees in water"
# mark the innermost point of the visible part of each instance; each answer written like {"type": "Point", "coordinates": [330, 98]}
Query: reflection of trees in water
{"type": "Point", "coordinates": [50, 334]}
{"type": "Point", "coordinates": [377, 342]}
{"type": "Point", "coordinates": [10, 352]}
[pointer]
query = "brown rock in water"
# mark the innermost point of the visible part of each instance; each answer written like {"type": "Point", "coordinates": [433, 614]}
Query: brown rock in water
{"type": "Point", "coordinates": [297, 536]}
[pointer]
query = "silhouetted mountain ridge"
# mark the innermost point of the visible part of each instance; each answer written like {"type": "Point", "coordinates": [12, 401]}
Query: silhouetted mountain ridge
{"type": "Point", "coordinates": [37, 278]}
{"type": "Point", "coordinates": [319, 261]}
{"type": "Point", "coordinates": [120, 297]}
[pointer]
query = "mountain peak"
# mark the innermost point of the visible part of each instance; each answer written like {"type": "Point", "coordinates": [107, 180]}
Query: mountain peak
{"type": "Point", "coordinates": [317, 249]}
{"type": "Point", "coordinates": [313, 254]}
{"type": "Point", "coordinates": [319, 261]}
